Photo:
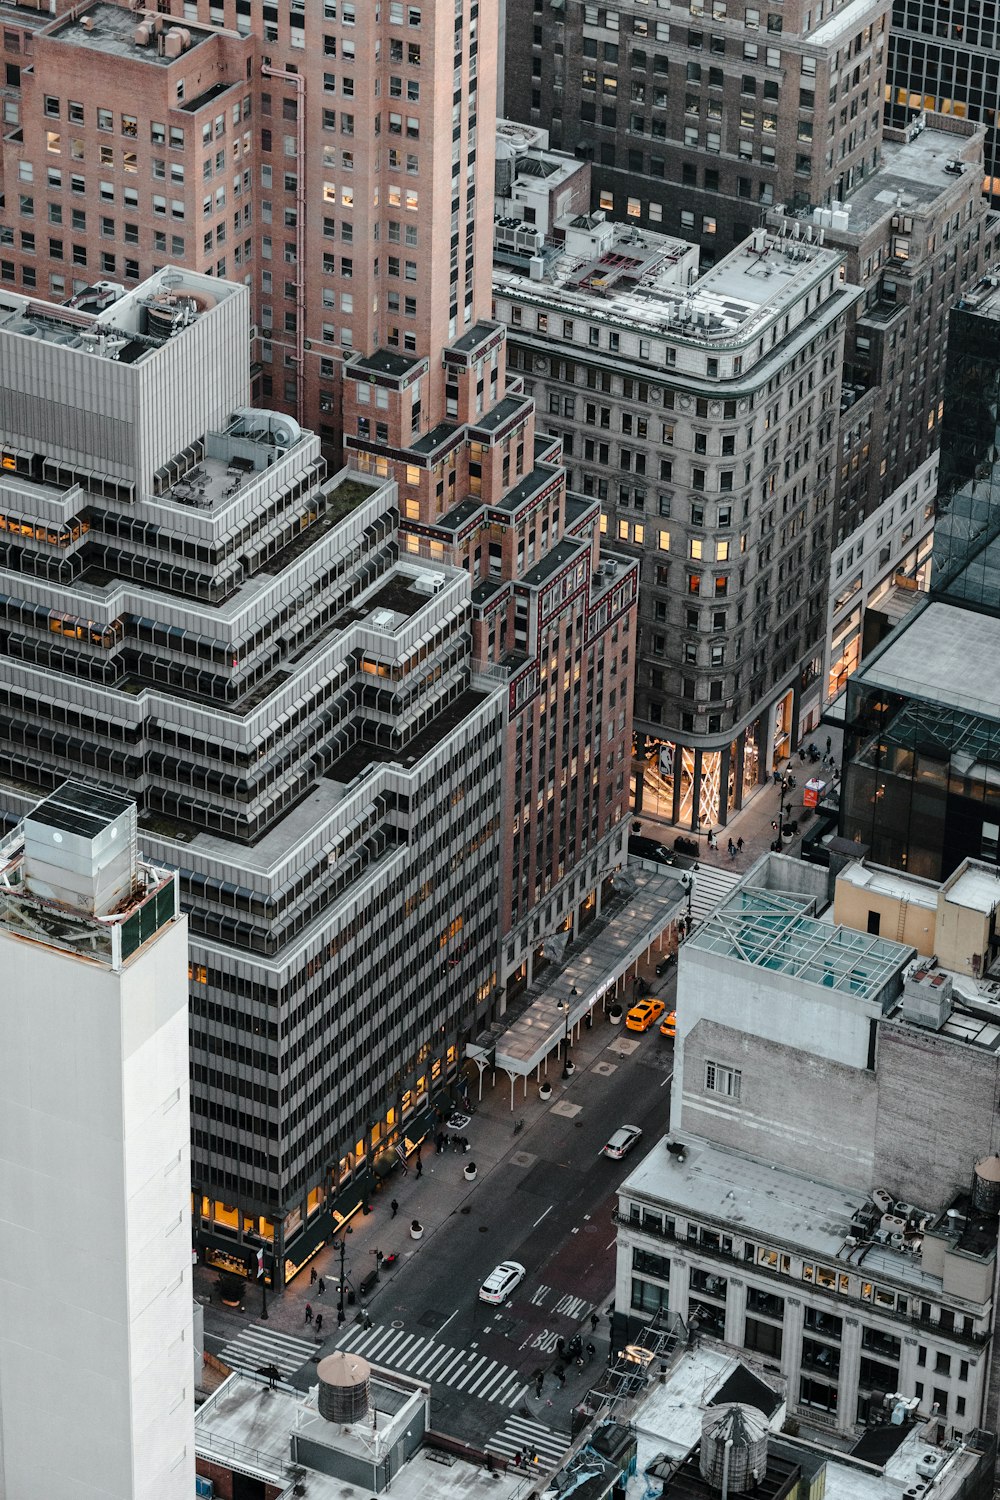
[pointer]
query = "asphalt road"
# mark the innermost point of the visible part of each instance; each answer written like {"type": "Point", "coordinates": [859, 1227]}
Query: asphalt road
{"type": "Point", "coordinates": [548, 1206]}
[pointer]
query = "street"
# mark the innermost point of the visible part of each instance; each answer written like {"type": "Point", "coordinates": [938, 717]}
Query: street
{"type": "Point", "coordinates": [542, 1197]}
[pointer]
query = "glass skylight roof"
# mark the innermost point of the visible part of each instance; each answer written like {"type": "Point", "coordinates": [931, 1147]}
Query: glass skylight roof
{"type": "Point", "coordinates": [777, 930]}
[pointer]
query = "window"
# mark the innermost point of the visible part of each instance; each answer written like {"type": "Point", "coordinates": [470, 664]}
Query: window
{"type": "Point", "coordinates": [722, 1080]}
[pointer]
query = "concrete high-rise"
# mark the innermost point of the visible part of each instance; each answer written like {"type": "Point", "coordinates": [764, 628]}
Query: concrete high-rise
{"type": "Point", "coordinates": [338, 666]}
{"type": "Point", "coordinates": [701, 414]}
{"type": "Point", "coordinates": [95, 1337]}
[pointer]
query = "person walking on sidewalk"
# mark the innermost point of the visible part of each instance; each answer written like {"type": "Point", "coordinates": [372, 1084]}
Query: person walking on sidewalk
{"type": "Point", "coordinates": [395, 1207]}
{"type": "Point", "coordinates": [713, 842]}
{"type": "Point", "coordinates": [591, 1351]}
{"type": "Point", "coordinates": [595, 1318]}
{"type": "Point", "coordinates": [309, 1312]}
{"type": "Point", "coordinates": [322, 1286]}
{"type": "Point", "coordinates": [313, 1273]}
{"type": "Point", "coordinates": [420, 1166]}
{"type": "Point", "coordinates": [560, 1374]}
{"type": "Point", "coordinates": [739, 846]}
{"type": "Point", "coordinates": [318, 1325]}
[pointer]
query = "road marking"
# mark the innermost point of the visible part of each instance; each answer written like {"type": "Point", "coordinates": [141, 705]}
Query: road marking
{"type": "Point", "coordinates": [447, 1320]}
{"type": "Point", "coordinates": [571, 1307]}
{"type": "Point", "coordinates": [666, 1080]}
{"type": "Point", "coordinates": [544, 1215]}
{"type": "Point", "coordinates": [539, 1296]}
{"type": "Point", "coordinates": [481, 1376]}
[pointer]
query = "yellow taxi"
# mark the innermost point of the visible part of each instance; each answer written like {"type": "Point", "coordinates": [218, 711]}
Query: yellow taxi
{"type": "Point", "coordinates": [642, 1016]}
{"type": "Point", "coordinates": [668, 1026]}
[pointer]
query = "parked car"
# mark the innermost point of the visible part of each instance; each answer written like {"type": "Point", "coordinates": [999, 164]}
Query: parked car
{"type": "Point", "coordinates": [668, 1026]}
{"type": "Point", "coordinates": [622, 1141]}
{"type": "Point", "coordinates": [643, 1015]}
{"type": "Point", "coordinates": [649, 849]}
{"type": "Point", "coordinates": [501, 1281]}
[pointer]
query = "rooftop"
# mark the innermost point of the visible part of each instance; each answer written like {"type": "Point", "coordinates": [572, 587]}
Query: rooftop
{"type": "Point", "coordinates": [130, 325]}
{"type": "Point", "coordinates": [778, 930]}
{"type": "Point", "coordinates": [912, 177]}
{"type": "Point", "coordinates": [113, 29]}
{"type": "Point", "coordinates": [809, 1218]}
{"type": "Point", "coordinates": [642, 279]}
{"type": "Point", "coordinates": [247, 1424]}
{"type": "Point", "coordinates": [929, 659]}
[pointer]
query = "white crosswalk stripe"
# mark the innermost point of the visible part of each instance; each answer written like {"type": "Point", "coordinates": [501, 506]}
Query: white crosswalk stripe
{"type": "Point", "coordinates": [462, 1369]}
{"type": "Point", "coordinates": [259, 1346]}
{"type": "Point", "coordinates": [522, 1435]}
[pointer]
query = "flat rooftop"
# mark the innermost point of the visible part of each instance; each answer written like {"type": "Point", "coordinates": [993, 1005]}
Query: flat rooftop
{"type": "Point", "coordinates": [931, 656]}
{"type": "Point", "coordinates": [111, 29]}
{"type": "Point", "coordinates": [976, 887]}
{"type": "Point", "coordinates": [127, 329]}
{"type": "Point", "coordinates": [880, 881]}
{"type": "Point", "coordinates": [750, 1197]}
{"type": "Point", "coordinates": [778, 930]}
{"type": "Point", "coordinates": [641, 280]}
{"type": "Point", "coordinates": [246, 1422]}
{"type": "Point", "coordinates": [912, 177]}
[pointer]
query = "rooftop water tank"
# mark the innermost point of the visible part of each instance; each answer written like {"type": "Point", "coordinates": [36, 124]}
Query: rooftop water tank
{"type": "Point", "coordinates": [986, 1185]}
{"type": "Point", "coordinates": [344, 1382]}
{"type": "Point", "coordinates": [742, 1432]}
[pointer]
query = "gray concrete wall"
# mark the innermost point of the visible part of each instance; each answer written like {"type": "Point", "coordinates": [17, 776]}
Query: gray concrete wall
{"type": "Point", "coordinates": [942, 1094]}
{"type": "Point", "coordinates": [799, 1111]}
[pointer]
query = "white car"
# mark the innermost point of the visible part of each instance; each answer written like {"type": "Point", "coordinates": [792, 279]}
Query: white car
{"type": "Point", "coordinates": [622, 1141]}
{"type": "Point", "coordinates": [501, 1282]}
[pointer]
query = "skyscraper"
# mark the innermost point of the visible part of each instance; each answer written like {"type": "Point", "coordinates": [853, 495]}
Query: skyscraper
{"type": "Point", "coordinates": [392, 711]}
{"type": "Point", "coordinates": [95, 1337]}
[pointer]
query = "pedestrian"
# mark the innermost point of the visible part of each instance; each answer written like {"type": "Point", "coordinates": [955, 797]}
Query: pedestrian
{"type": "Point", "coordinates": [591, 1351]}
{"type": "Point", "coordinates": [439, 1142]}
{"type": "Point", "coordinates": [732, 849]}
{"type": "Point", "coordinates": [309, 1312]}
{"type": "Point", "coordinates": [319, 1322]}
{"type": "Point", "coordinates": [322, 1286]}
{"type": "Point", "coordinates": [312, 1275]}
{"type": "Point", "coordinates": [420, 1166]}
{"type": "Point", "coordinates": [776, 776]}
{"type": "Point", "coordinates": [739, 846]}
{"type": "Point", "coordinates": [560, 1347]}
{"type": "Point", "coordinates": [538, 1386]}
{"type": "Point", "coordinates": [713, 842]}
{"type": "Point", "coordinates": [829, 744]}
{"type": "Point", "coordinates": [774, 825]}
{"type": "Point", "coordinates": [395, 1207]}
{"type": "Point", "coordinates": [560, 1374]}
{"type": "Point", "coordinates": [594, 1320]}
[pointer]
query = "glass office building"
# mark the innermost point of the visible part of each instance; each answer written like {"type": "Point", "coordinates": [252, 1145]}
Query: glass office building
{"type": "Point", "coordinates": [922, 746]}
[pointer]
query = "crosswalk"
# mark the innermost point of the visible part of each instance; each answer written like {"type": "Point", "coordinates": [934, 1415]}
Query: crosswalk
{"type": "Point", "coordinates": [473, 1374]}
{"type": "Point", "coordinates": [521, 1435]}
{"type": "Point", "coordinates": [258, 1346]}
{"type": "Point", "coordinates": [711, 884]}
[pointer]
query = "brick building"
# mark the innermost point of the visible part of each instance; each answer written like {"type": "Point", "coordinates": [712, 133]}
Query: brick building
{"type": "Point", "coordinates": [695, 122]}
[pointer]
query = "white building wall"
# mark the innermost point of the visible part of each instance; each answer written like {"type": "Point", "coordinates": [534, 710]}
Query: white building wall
{"type": "Point", "coordinates": [95, 1258]}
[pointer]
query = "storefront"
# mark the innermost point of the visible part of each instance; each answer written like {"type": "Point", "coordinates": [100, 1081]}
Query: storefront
{"type": "Point", "coordinates": [694, 787]}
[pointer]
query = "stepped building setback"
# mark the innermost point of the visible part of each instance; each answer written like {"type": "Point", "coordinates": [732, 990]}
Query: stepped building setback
{"type": "Point", "coordinates": [380, 721]}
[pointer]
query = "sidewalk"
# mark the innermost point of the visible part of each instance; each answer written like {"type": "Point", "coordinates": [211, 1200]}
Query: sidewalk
{"type": "Point", "coordinates": [753, 823]}
{"type": "Point", "coordinates": [433, 1198]}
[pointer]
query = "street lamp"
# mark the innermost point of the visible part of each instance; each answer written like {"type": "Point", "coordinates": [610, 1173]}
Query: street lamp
{"type": "Point", "coordinates": [781, 814]}
{"type": "Point", "coordinates": [567, 1071]}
